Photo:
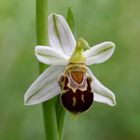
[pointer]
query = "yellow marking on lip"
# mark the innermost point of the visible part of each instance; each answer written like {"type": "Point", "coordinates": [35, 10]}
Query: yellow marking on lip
{"type": "Point", "coordinates": [82, 98]}
{"type": "Point", "coordinates": [74, 101]}
{"type": "Point", "coordinates": [64, 91]}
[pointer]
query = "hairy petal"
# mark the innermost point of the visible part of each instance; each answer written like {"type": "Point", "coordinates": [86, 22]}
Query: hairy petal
{"type": "Point", "coordinates": [101, 93]}
{"type": "Point", "coordinates": [99, 53]}
{"type": "Point", "coordinates": [50, 56]}
{"type": "Point", "coordinates": [60, 36]}
{"type": "Point", "coordinates": [44, 87]}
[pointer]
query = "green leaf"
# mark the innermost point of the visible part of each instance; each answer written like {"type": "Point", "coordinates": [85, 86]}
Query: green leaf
{"type": "Point", "coordinates": [70, 20]}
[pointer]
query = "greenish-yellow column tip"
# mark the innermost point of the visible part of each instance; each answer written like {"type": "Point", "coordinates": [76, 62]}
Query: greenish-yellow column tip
{"type": "Point", "coordinates": [78, 56]}
{"type": "Point", "coordinates": [82, 43]}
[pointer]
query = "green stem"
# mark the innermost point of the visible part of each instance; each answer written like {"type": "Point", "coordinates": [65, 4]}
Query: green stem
{"type": "Point", "coordinates": [42, 22]}
{"type": "Point", "coordinates": [60, 113]}
{"type": "Point", "coordinates": [50, 120]}
{"type": "Point", "coordinates": [49, 113]}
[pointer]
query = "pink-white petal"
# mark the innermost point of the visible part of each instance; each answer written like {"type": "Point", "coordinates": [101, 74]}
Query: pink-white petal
{"type": "Point", "coordinates": [99, 53]}
{"type": "Point", "coordinates": [102, 93]}
{"type": "Point", "coordinates": [60, 36]}
{"type": "Point", "coordinates": [48, 55]}
{"type": "Point", "coordinates": [44, 87]}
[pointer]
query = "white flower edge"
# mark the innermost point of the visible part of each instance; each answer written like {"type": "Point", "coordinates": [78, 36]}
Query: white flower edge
{"type": "Point", "coordinates": [101, 93]}
{"type": "Point", "coordinates": [44, 87]}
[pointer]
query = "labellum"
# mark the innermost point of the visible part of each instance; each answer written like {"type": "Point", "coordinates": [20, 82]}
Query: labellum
{"type": "Point", "coordinates": [76, 93]}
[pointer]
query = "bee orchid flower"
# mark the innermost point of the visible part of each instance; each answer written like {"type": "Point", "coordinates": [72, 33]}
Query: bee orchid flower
{"type": "Point", "coordinates": [68, 73]}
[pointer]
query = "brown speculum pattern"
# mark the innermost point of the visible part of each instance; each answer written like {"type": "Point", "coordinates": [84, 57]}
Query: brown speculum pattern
{"type": "Point", "coordinates": [76, 93]}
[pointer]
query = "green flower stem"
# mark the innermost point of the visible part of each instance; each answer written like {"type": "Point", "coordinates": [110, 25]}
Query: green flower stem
{"type": "Point", "coordinates": [50, 120]}
{"type": "Point", "coordinates": [60, 113]}
{"type": "Point", "coordinates": [42, 22]}
{"type": "Point", "coordinates": [49, 112]}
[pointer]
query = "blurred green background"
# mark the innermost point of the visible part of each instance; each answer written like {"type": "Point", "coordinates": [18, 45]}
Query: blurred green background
{"type": "Point", "coordinates": [96, 21]}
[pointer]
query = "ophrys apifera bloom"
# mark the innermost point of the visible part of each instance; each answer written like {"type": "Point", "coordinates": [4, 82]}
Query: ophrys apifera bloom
{"type": "Point", "coordinates": [68, 73]}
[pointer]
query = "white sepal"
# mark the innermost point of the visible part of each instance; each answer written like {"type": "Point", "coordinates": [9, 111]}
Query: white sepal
{"type": "Point", "coordinates": [44, 87]}
{"type": "Point", "coordinates": [102, 94]}
{"type": "Point", "coordinates": [99, 53]}
{"type": "Point", "coordinates": [102, 99]}
{"type": "Point", "coordinates": [48, 55]}
{"type": "Point", "coordinates": [60, 35]}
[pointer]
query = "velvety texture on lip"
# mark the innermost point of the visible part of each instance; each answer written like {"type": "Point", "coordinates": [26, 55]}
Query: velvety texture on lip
{"type": "Point", "coordinates": [78, 101]}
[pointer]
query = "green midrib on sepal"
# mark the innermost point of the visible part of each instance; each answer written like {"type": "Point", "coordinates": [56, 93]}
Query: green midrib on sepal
{"type": "Point", "coordinates": [104, 50]}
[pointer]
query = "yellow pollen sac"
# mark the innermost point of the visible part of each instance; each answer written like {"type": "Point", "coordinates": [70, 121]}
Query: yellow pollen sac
{"type": "Point", "coordinates": [82, 98]}
{"type": "Point", "coordinates": [74, 101]}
